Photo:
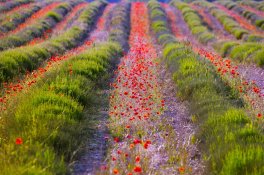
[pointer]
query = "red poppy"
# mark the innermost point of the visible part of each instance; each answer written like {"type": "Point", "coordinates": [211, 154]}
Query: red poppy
{"type": "Point", "coordinates": [137, 158]}
{"type": "Point", "coordinates": [137, 169]}
{"type": "Point", "coordinates": [19, 141]}
{"type": "Point", "coordinates": [181, 169]}
{"type": "Point", "coordinates": [115, 171]}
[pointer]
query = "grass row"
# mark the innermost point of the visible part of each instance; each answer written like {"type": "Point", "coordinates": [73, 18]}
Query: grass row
{"type": "Point", "coordinates": [54, 117]}
{"type": "Point", "coordinates": [243, 52]}
{"type": "Point", "coordinates": [230, 25]}
{"type": "Point", "coordinates": [37, 29]}
{"type": "Point", "coordinates": [254, 4]}
{"type": "Point", "coordinates": [19, 60]}
{"type": "Point", "coordinates": [57, 118]}
{"type": "Point", "coordinates": [120, 25]}
{"type": "Point", "coordinates": [12, 4]}
{"type": "Point", "coordinates": [196, 24]}
{"type": "Point", "coordinates": [10, 22]}
{"type": "Point", "coordinates": [254, 18]}
{"type": "Point", "coordinates": [230, 142]}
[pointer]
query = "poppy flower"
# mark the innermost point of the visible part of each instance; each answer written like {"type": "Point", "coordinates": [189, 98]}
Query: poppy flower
{"type": "Point", "coordinates": [115, 171]}
{"type": "Point", "coordinates": [19, 141]}
{"type": "Point", "coordinates": [181, 169]}
{"type": "Point", "coordinates": [137, 169]}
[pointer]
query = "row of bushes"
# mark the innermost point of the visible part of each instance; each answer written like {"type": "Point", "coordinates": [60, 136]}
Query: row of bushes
{"type": "Point", "coordinates": [229, 141]}
{"type": "Point", "coordinates": [56, 119]}
{"type": "Point", "coordinates": [195, 22]}
{"type": "Point", "coordinates": [120, 25]}
{"type": "Point", "coordinates": [11, 21]}
{"type": "Point", "coordinates": [158, 18]}
{"type": "Point", "coordinates": [254, 4]}
{"type": "Point", "coordinates": [12, 4]}
{"type": "Point", "coordinates": [37, 29]}
{"type": "Point", "coordinates": [53, 118]}
{"type": "Point", "coordinates": [254, 18]}
{"type": "Point", "coordinates": [229, 23]}
{"type": "Point", "coordinates": [17, 61]}
{"type": "Point", "coordinates": [243, 52]}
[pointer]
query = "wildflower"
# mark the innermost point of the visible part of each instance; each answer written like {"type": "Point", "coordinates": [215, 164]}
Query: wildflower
{"type": "Point", "coordinates": [259, 115]}
{"type": "Point", "coordinates": [137, 158]}
{"type": "Point", "coordinates": [115, 171]}
{"type": "Point", "coordinates": [116, 139]}
{"type": "Point", "coordinates": [19, 141]}
{"type": "Point", "coordinates": [136, 141]}
{"type": "Point", "coordinates": [181, 169]}
{"type": "Point", "coordinates": [137, 169]}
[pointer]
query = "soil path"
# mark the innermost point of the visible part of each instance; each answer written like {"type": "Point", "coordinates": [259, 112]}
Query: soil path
{"type": "Point", "coordinates": [95, 149]}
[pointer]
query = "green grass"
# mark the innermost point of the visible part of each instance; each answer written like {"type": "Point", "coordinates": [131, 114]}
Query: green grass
{"type": "Point", "coordinates": [242, 52]}
{"type": "Point", "coordinates": [19, 60]}
{"type": "Point", "coordinates": [36, 29]}
{"type": "Point", "coordinates": [195, 23]}
{"type": "Point", "coordinates": [230, 142]}
{"type": "Point", "coordinates": [54, 117]}
{"type": "Point", "coordinates": [226, 132]}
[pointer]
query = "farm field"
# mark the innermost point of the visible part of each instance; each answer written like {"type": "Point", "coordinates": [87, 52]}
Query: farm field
{"type": "Point", "coordinates": [131, 87]}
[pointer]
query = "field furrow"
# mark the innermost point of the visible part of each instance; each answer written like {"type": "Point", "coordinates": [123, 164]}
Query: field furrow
{"type": "Point", "coordinates": [243, 22]}
{"type": "Point", "coordinates": [131, 87]}
{"type": "Point", "coordinates": [252, 90]}
{"type": "Point", "coordinates": [15, 62]}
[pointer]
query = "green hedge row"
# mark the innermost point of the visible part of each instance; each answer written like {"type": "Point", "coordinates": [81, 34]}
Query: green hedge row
{"type": "Point", "coordinates": [19, 60]}
{"type": "Point", "coordinates": [230, 142]}
{"type": "Point", "coordinates": [230, 25]}
{"type": "Point", "coordinates": [254, 4]}
{"type": "Point", "coordinates": [195, 23]}
{"type": "Point", "coordinates": [12, 4]}
{"type": "Point", "coordinates": [37, 29]}
{"type": "Point", "coordinates": [158, 18]}
{"type": "Point", "coordinates": [254, 18]}
{"type": "Point", "coordinates": [243, 52]}
{"type": "Point", "coordinates": [120, 25]}
{"type": "Point", "coordinates": [53, 118]}
{"type": "Point", "coordinates": [11, 21]}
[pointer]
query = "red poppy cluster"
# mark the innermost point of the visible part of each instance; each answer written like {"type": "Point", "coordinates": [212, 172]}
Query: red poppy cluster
{"type": "Point", "coordinates": [243, 22]}
{"type": "Point", "coordinates": [135, 97]}
{"type": "Point", "coordinates": [171, 19]}
{"type": "Point", "coordinates": [226, 68]}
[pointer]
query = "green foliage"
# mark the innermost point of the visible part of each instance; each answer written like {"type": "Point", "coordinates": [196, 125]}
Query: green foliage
{"type": "Point", "coordinates": [52, 119]}
{"type": "Point", "coordinates": [19, 60]}
{"type": "Point", "coordinates": [227, 135]}
{"type": "Point", "coordinates": [34, 30]}
{"type": "Point", "coordinates": [227, 47]}
{"type": "Point", "coordinates": [244, 51]}
{"type": "Point", "coordinates": [195, 23]}
{"type": "Point", "coordinates": [259, 57]}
